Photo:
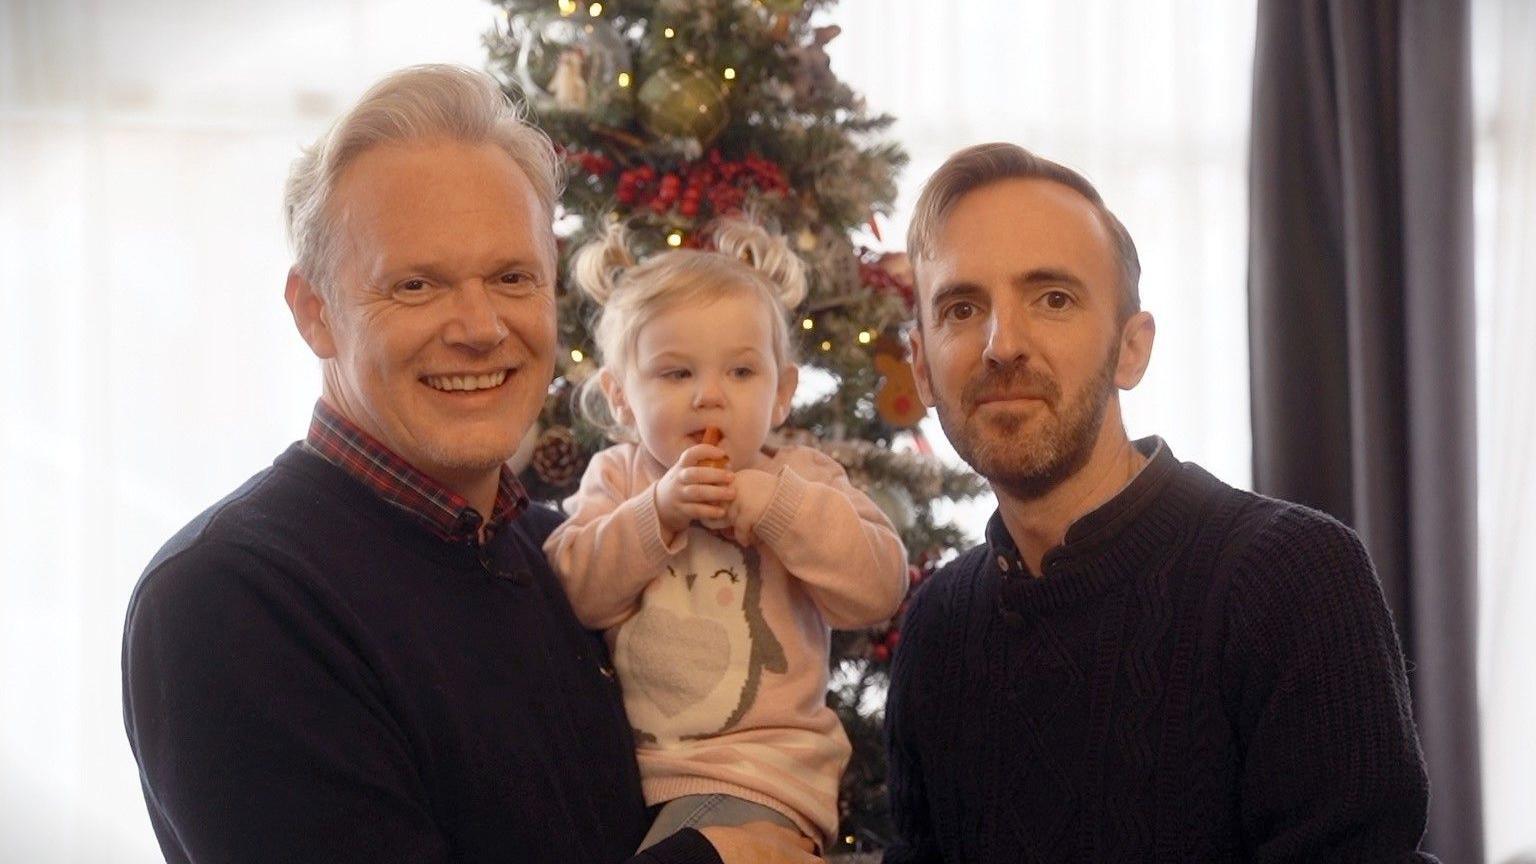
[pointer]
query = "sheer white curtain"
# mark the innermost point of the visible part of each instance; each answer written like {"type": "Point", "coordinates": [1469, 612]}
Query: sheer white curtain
{"type": "Point", "coordinates": [150, 365]}
{"type": "Point", "coordinates": [1504, 76]}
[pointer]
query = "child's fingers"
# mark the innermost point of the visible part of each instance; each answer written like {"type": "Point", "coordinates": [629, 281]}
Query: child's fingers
{"type": "Point", "coordinates": [707, 493]}
{"type": "Point", "coordinates": [700, 474]}
{"type": "Point", "coordinates": [704, 512]}
{"type": "Point", "coordinates": [700, 452]}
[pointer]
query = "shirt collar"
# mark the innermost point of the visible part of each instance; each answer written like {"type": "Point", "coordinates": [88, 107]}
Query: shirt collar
{"type": "Point", "coordinates": [1104, 521]}
{"type": "Point", "coordinates": [444, 512]}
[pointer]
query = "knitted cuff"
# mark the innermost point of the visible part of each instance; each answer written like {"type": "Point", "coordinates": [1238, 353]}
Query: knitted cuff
{"type": "Point", "coordinates": [782, 507]}
{"type": "Point", "coordinates": [648, 526]}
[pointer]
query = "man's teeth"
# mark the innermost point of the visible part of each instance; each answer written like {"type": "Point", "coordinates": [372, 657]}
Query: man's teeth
{"type": "Point", "coordinates": [466, 382]}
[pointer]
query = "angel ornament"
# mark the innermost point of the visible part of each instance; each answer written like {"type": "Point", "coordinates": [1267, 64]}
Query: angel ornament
{"type": "Point", "coordinates": [569, 83]}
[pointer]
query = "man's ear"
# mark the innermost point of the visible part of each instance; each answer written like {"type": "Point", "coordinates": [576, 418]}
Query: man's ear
{"type": "Point", "coordinates": [1136, 339]}
{"type": "Point", "coordinates": [789, 380]}
{"type": "Point", "coordinates": [310, 315]}
{"type": "Point", "coordinates": [618, 406]}
{"type": "Point", "coordinates": [920, 366]}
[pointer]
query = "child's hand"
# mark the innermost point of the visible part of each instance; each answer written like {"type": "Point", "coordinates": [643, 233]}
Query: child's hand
{"type": "Point", "coordinates": [690, 491]}
{"type": "Point", "coordinates": [754, 489]}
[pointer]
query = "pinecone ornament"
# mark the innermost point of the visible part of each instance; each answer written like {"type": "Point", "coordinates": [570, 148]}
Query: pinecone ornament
{"type": "Point", "coordinates": [557, 458]}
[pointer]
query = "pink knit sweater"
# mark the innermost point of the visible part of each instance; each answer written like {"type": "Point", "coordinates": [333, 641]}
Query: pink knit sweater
{"type": "Point", "coordinates": [722, 651]}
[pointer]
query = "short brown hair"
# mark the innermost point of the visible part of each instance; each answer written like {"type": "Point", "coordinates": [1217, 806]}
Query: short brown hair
{"type": "Point", "coordinates": [984, 164]}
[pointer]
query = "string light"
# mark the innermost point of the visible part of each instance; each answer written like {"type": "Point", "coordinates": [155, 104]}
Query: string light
{"type": "Point", "coordinates": [807, 324]}
{"type": "Point", "coordinates": [623, 79]}
{"type": "Point", "coordinates": [595, 9]}
{"type": "Point", "coordinates": [675, 239]}
{"type": "Point", "coordinates": [669, 32]}
{"type": "Point", "coordinates": [865, 337]}
{"type": "Point", "coordinates": [826, 345]}
{"type": "Point", "coordinates": [576, 355]}
{"type": "Point", "coordinates": [730, 74]}
{"type": "Point", "coordinates": [567, 7]}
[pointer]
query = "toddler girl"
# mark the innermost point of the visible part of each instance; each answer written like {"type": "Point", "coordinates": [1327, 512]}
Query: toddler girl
{"type": "Point", "coordinates": [716, 586]}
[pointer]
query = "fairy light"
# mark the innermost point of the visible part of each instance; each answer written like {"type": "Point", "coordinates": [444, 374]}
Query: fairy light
{"type": "Point", "coordinates": [669, 32]}
{"type": "Point", "coordinates": [865, 337]}
{"type": "Point", "coordinates": [807, 324]}
{"type": "Point", "coordinates": [567, 7]}
{"type": "Point", "coordinates": [730, 74]}
{"type": "Point", "coordinates": [595, 9]}
{"type": "Point", "coordinates": [675, 239]}
{"type": "Point", "coordinates": [577, 356]}
{"type": "Point", "coordinates": [826, 345]}
{"type": "Point", "coordinates": [623, 79]}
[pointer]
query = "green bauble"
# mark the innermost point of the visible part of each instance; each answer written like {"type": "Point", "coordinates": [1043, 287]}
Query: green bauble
{"type": "Point", "coordinates": [683, 102]}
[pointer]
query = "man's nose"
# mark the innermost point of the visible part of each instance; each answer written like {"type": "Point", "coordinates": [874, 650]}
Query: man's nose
{"type": "Point", "coordinates": [1008, 337]}
{"type": "Point", "coordinates": [476, 322]}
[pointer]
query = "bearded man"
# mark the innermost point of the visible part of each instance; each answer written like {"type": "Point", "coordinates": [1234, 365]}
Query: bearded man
{"type": "Point", "coordinates": [1140, 663]}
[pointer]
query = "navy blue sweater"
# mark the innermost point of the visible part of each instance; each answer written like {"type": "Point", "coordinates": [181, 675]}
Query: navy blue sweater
{"type": "Point", "coordinates": [1200, 674]}
{"type": "Point", "coordinates": [309, 675]}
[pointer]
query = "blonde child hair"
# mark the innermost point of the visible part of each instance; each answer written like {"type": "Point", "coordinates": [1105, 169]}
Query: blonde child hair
{"type": "Point", "coordinates": [746, 258]}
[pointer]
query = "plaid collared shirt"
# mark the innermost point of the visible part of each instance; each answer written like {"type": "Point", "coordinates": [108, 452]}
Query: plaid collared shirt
{"type": "Point", "coordinates": [444, 512]}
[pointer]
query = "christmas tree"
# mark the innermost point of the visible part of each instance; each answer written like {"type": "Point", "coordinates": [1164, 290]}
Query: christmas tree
{"type": "Point", "coordinates": [670, 113]}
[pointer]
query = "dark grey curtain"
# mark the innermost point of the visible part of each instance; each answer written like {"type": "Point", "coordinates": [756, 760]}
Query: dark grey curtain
{"type": "Point", "coordinates": [1361, 315]}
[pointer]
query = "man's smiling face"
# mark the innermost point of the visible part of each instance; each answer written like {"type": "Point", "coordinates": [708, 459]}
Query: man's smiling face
{"type": "Point", "coordinates": [440, 322]}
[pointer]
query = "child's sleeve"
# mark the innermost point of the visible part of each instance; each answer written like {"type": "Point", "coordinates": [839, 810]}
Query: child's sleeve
{"type": "Point", "coordinates": [611, 546]}
{"type": "Point", "coordinates": [834, 540]}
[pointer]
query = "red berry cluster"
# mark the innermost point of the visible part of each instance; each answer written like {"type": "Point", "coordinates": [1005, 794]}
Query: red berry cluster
{"type": "Point", "coordinates": [882, 644]}
{"type": "Point", "coordinates": [595, 164]}
{"type": "Point", "coordinates": [721, 184]}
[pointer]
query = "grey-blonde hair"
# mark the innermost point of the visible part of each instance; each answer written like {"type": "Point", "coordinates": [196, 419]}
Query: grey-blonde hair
{"type": "Point", "coordinates": [412, 104]}
{"type": "Point", "coordinates": [746, 258]}
{"type": "Point", "coordinates": [984, 164]}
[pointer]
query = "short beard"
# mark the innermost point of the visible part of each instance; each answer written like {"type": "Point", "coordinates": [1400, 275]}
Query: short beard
{"type": "Point", "coordinates": [1028, 468]}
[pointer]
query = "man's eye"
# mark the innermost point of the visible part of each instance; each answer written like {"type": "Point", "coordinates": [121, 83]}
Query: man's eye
{"type": "Point", "coordinates": [517, 279]}
{"type": "Point", "coordinates": [413, 290]}
{"type": "Point", "coordinates": [1058, 300]}
{"type": "Point", "coordinates": [959, 311]}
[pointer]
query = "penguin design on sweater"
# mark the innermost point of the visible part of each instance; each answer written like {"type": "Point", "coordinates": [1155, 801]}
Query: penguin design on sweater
{"type": "Point", "coordinates": [692, 659]}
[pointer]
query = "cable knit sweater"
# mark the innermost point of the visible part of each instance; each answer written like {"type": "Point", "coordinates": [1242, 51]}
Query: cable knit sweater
{"type": "Point", "coordinates": [1199, 674]}
{"type": "Point", "coordinates": [309, 674]}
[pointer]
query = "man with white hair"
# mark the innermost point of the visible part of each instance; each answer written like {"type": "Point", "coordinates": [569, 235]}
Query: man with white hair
{"type": "Point", "coordinates": [361, 655]}
{"type": "Point", "coordinates": [1140, 663]}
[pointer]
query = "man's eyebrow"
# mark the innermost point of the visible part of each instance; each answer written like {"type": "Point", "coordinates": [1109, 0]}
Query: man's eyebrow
{"type": "Point", "coordinates": [516, 262]}
{"type": "Point", "coordinates": [437, 268]}
{"type": "Point", "coordinates": [952, 290]}
{"type": "Point", "coordinates": [1046, 276]}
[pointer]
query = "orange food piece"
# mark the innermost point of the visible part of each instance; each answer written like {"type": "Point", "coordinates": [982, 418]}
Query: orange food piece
{"type": "Point", "coordinates": [711, 437]}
